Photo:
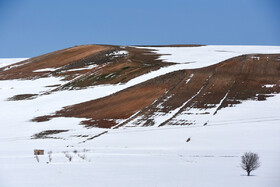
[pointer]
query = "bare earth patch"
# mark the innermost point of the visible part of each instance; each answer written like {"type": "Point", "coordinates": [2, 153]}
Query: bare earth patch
{"type": "Point", "coordinates": [22, 97]}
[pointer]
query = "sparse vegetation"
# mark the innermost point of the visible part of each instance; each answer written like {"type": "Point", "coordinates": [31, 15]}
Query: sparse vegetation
{"type": "Point", "coordinates": [45, 134]}
{"type": "Point", "coordinates": [85, 150]}
{"type": "Point", "coordinates": [124, 68]}
{"type": "Point", "coordinates": [68, 156]}
{"type": "Point", "coordinates": [22, 97]}
{"type": "Point", "coordinates": [82, 156]}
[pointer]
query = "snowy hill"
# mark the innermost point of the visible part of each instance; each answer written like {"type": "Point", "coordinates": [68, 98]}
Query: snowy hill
{"type": "Point", "coordinates": [124, 113]}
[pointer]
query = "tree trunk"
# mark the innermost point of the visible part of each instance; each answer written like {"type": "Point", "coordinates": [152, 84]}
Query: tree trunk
{"type": "Point", "coordinates": [248, 173]}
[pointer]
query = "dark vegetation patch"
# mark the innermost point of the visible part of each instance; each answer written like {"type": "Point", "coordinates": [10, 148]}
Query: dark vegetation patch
{"type": "Point", "coordinates": [91, 138]}
{"type": "Point", "coordinates": [22, 97]}
{"type": "Point", "coordinates": [51, 86]}
{"type": "Point", "coordinates": [124, 68]}
{"type": "Point", "coordinates": [81, 136]}
{"type": "Point", "coordinates": [96, 136]}
{"type": "Point", "coordinates": [262, 97]}
{"type": "Point", "coordinates": [42, 118]}
{"type": "Point", "coordinates": [47, 134]}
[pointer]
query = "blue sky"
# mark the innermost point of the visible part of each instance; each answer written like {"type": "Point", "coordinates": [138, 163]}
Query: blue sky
{"type": "Point", "coordinates": [33, 27]}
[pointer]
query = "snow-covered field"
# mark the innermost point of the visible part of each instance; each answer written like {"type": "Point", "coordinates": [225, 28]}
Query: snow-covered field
{"type": "Point", "coordinates": [139, 156]}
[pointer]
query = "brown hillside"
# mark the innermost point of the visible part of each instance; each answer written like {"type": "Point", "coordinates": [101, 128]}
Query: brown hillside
{"type": "Point", "coordinates": [109, 66]}
{"type": "Point", "coordinates": [51, 60]}
{"type": "Point", "coordinates": [222, 85]}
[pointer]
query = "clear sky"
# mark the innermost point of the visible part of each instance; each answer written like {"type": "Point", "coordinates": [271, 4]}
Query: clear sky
{"type": "Point", "coordinates": [33, 27]}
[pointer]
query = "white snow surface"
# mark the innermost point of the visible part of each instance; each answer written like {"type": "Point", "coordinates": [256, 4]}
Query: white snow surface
{"type": "Point", "coordinates": [88, 67]}
{"type": "Point", "coordinates": [269, 85]}
{"type": "Point", "coordinates": [9, 61]}
{"type": "Point", "coordinates": [45, 69]}
{"type": "Point", "coordinates": [76, 69]}
{"type": "Point", "coordinates": [139, 156]}
{"type": "Point", "coordinates": [198, 57]}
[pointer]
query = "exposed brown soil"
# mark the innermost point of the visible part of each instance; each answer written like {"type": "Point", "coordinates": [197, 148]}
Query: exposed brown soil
{"type": "Point", "coordinates": [118, 106]}
{"type": "Point", "coordinates": [119, 70]}
{"type": "Point", "coordinates": [238, 79]}
{"type": "Point", "coordinates": [109, 66]}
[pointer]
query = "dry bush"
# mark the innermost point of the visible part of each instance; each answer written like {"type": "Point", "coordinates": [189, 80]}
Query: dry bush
{"type": "Point", "coordinates": [82, 156]}
{"type": "Point", "coordinates": [67, 155]}
{"type": "Point", "coordinates": [50, 156]}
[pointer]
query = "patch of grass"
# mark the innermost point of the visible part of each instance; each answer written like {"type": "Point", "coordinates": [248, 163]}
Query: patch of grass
{"type": "Point", "coordinates": [124, 68]}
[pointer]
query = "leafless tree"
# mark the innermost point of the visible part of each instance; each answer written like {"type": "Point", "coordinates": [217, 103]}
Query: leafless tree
{"type": "Point", "coordinates": [250, 162]}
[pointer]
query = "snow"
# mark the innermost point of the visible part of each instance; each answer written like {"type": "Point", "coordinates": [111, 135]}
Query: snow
{"type": "Point", "coordinates": [188, 80]}
{"type": "Point", "coordinates": [45, 69]}
{"type": "Point", "coordinates": [88, 67]}
{"type": "Point", "coordinates": [269, 85]}
{"type": "Point", "coordinates": [161, 158]}
{"type": "Point", "coordinates": [256, 57]}
{"type": "Point", "coordinates": [198, 57]}
{"type": "Point", "coordinates": [9, 61]}
{"type": "Point", "coordinates": [118, 53]}
{"type": "Point", "coordinates": [139, 156]}
{"type": "Point", "coordinates": [76, 69]}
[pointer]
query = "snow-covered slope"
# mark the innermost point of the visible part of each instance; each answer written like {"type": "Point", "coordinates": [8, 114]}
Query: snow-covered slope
{"type": "Point", "coordinates": [197, 57]}
{"type": "Point", "coordinates": [136, 155]}
{"type": "Point", "coordinates": [9, 61]}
